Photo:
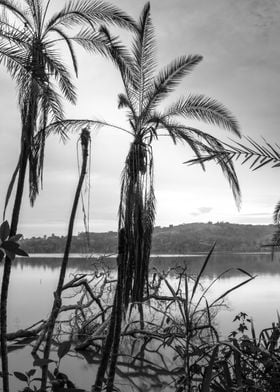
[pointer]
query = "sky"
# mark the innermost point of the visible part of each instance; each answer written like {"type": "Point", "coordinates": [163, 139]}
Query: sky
{"type": "Point", "coordinates": [239, 42]}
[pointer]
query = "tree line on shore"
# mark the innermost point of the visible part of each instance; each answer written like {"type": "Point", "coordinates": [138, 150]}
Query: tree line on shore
{"type": "Point", "coordinates": [180, 239]}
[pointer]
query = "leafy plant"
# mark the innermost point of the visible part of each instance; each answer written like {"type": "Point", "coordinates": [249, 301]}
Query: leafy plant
{"type": "Point", "coordinates": [27, 378]}
{"type": "Point", "coordinates": [247, 363]}
{"type": "Point", "coordinates": [9, 246]}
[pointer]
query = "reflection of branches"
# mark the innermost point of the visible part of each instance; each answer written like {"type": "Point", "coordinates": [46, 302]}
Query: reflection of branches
{"type": "Point", "coordinates": [172, 345]}
{"type": "Point", "coordinates": [93, 289]}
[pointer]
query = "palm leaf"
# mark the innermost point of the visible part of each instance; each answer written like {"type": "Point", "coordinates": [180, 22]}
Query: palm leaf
{"type": "Point", "coordinates": [13, 57]}
{"type": "Point", "coordinates": [124, 61]}
{"type": "Point", "coordinates": [123, 102]}
{"type": "Point", "coordinates": [51, 106]}
{"type": "Point", "coordinates": [201, 143]}
{"type": "Point", "coordinates": [256, 154]}
{"type": "Point", "coordinates": [91, 12]}
{"type": "Point", "coordinates": [17, 11]}
{"type": "Point", "coordinates": [13, 34]}
{"type": "Point", "coordinates": [169, 78]}
{"type": "Point", "coordinates": [143, 51]}
{"type": "Point", "coordinates": [60, 72]}
{"type": "Point", "coordinates": [205, 109]}
{"type": "Point", "coordinates": [70, 47]}
{"type": "Point", "coordinates": [276, 214]}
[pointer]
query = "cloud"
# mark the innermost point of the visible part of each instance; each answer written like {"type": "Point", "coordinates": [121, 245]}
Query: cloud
{"type": "Point", "coordinates": [201, 211]}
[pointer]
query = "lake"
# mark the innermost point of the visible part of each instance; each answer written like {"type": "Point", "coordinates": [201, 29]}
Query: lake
{"type": "Point", "coordinates": [33, 281]}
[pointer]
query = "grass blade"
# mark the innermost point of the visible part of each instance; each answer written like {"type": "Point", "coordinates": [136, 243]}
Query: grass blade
{"type": "Point", "coordinates": [202, 270]}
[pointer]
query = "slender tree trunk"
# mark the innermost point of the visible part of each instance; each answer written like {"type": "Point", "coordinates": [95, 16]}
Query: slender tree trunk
{"type": "Point", "coordinates": [118, 324]}
{"type": "Point", "coordinates": [85, 137]}
{"type": "Point", "coordinates": [7, 268]}
{"type": "Point", "coordinates": [106, 351]}
{"type": "Point", "coordinates": [111, 345]}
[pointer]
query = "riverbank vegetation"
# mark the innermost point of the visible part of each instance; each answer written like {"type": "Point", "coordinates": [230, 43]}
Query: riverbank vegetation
{"type": "Point", "coordinates": [175, 239]}
{"type": "Point", "coordinates": [158, 324]}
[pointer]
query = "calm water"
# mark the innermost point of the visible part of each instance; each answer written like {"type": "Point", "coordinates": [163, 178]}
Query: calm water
{"type": "Point", "coordinates": [34, 280]}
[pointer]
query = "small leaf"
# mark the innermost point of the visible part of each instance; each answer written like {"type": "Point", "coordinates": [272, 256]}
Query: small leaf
{"type": "Point", "coordinates": [10, 245]}
{"type": "Point", "coordinates": [31, 372]}
{"type": "Point", "coordinates": [63, 349]}
{"type": "Point", "coordinates": [21, 252]}
{"type": "Point", "coordinates": [21, 376]}
{"type": "Point", "coordinates": [4, 230]}
{"type": "Point", "coordinates": [15, 238]}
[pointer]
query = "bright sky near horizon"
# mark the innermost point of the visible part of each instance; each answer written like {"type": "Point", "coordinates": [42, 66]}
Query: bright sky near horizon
{"type": "Point", "coordinates": [239, 42]}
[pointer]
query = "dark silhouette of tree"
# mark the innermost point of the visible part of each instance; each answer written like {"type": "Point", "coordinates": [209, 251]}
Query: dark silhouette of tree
{"type": "Point", "coordinates": [29, 48]}
{"type": "Point", "coordinates": [144, 91]}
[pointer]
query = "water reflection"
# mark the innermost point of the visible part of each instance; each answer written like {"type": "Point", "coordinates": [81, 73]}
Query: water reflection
{"type": "Point", "coordinates": [34, 280]}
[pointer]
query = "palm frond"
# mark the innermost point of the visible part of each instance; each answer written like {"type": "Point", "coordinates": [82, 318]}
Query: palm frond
{"type": "Point", "coordinates": [13, 57]}
{"type": "Point", "coordinates": [202, 143]}
{"type": "Point", "coordinates": [63, 127]}
{"type": "Point", "coordinates": [144, 56]}
{"type": "Point", "coordinates": [256, 154]}
{"type": "Point", "coordinates": [13, 34]}
{"type": "Point", "coordinates": [123, 60]}
{"type": "Point", "coordinates": [205, 109]}
{"type": "Point", "coordinates": [123, 101]}
{"type": "Point", "coordinates": [91, 12]}
{"type": "Point", "coordinates": [70, 47]}
{"type": "Point", "coordinates": [276, 214]}
{"type": "Point", "coordinates": [51, 107]}
{"type": "Point", "coordinates": [59, 71]}
{"type": "Point", "coordinates": [169, 78]}
{"type": "Point", "coordinates": [36, 12]}
{"type": "Point", "coordinates": [16, 10]}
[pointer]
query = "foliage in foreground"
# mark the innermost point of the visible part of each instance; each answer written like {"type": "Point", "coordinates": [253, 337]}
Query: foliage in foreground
{"type": "Point", "coordinates": [178, 345]}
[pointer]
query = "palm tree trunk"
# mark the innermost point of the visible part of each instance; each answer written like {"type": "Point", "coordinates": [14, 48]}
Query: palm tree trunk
{"type": "Point", "coordinates": [118, 324]}
{"type": "Point", "coordinates": [111, 345]}
{"type": "Point", "coordinates": [85, 137]}
{"type": "Point", "coordinates": [106, 351]}
{"type": "Point", "coordinates": [7, 268]}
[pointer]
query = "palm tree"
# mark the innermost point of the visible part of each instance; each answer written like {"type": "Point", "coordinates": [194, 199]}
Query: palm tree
{"type": "Point", "coordinates": [143, 93]}
{"type": "Point", "coordinates": [29, 43]}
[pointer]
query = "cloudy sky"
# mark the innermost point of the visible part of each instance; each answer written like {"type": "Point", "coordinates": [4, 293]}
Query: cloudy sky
{"type": "Point", "coordinates": [239, 42]}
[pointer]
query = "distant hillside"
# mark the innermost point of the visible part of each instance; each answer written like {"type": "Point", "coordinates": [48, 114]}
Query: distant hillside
{"type": "Point", "coordinates": [185, 238]}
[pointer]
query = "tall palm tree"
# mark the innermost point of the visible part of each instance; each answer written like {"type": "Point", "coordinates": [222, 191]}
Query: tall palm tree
{"type": "Point", "coordinates": [144, 91]}
{"type": "Point", "coordinates": [29, 48]}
